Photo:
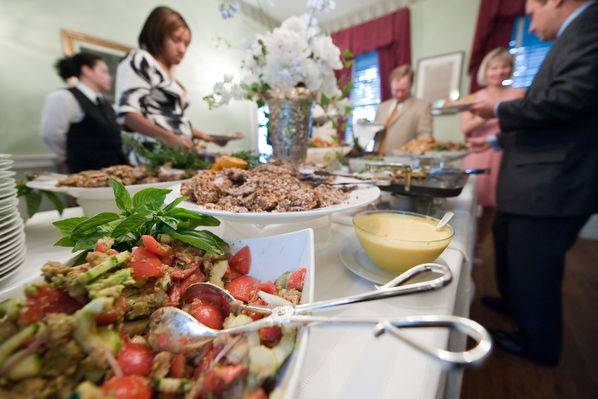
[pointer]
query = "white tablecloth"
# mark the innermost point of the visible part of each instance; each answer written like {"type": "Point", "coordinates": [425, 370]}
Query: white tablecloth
{"type": "Point", "coordinates": [347, 362]}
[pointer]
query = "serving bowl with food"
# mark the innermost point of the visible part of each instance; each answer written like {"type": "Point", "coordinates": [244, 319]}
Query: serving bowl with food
{"type": "Point", "coordinates": [273, 193]}
{"type": "Point", "coordinates": [92, 188]}
{"type": "Point", "coordinates": [450, 106]}
{"type": "Point", "coordinates": [396, 241]}
{"type": "Point", "coordinates": [82, 328]}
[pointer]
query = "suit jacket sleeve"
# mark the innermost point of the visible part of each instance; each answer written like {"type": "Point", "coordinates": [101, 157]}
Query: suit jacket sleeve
{"type": "Point", "coordinates": [572, 92]}
{"type": "Point", "coordinates": [424, 123]}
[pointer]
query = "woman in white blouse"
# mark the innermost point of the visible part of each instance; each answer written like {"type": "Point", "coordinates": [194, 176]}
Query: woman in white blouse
{"type": "Point", "coordinates": [149, 100]}
{"type": "Point", "coordinates": [77, 123]}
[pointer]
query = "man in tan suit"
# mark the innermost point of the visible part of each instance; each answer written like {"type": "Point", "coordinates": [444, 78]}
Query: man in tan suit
{"type": "Point", "coordinates": [404, 116]}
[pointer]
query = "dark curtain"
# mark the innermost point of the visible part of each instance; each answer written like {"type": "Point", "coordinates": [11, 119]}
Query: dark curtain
{"type": "Point", "coordinates": [390, 35]}
{"type": "Point", "coordinates": [494, 28]}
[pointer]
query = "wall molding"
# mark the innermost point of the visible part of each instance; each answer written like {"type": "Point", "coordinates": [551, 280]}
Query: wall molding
{"type": "Point", "coordinates": [34, 161]}
{"type": "Point", "coordinates": [365, 14]}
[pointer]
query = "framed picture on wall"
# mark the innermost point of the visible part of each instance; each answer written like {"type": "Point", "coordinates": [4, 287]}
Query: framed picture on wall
{"type": "Point", "coordinates": [439, 77]}
{"type": "Point", "coordinates": [111, 52]}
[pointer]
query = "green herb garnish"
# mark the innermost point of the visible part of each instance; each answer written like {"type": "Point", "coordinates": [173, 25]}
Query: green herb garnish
{"type": "Point", "coordinates": [33, 197]}
{"type": "Point", "coordinates": [162, 154]}
{"type": "Point", "coordinates": [145, 213]}
{"type": "Point", "coordinates": [252, 159]}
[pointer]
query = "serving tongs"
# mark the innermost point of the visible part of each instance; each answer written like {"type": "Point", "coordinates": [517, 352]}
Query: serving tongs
{"type": "Point", "coordinates": [173, 330]}
{"type": "Point", "coordinates": [320, 176]}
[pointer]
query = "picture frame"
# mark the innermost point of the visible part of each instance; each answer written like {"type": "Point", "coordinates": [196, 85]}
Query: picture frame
{"type": "Point", "coordinates": [439, 77]}
{"type": "Point", "coordinates": [111, 52]}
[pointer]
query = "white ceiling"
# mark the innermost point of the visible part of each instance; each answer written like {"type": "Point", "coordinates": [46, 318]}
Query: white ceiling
{"type": "Point", "coordinates": [282, 9]}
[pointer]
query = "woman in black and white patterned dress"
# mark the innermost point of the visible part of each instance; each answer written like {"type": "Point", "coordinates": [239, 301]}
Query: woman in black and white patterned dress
{"type": "Point", "coordinates": [149, 100]}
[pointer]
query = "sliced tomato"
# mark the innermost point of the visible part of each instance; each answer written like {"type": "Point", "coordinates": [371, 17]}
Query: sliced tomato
{"type": "Point", "coordinates": [177, 366]}
{"type": "Point", "coordinates": [270, 335]}
{"type": "Point", "coordinates": [168, 259]}
{"type": "Point", "coordinates": [112, 316]}
{"type": "Point", "coordinates": [152, 245]}
{"type": "Point", "coordinates": [296, 279]}
{"type": "Point", "coordinates": [181, 274]}
{"type": "Point", "coordinates": [266, 286]}
{"type": "Point", "coordinates": [206, 362]}
{"type": "Point", "coordinates": [135, 359]}
{"type": "Point", "coordinates": [47, 300]}
{"type": "Point", "coordinates": [207, 313]}
{"type": "Point", "coordinates": [231, 274]}
{"type": "Point", "coordinates": [258, 394]}
{"type": "Point", "coordinates": [145, 264]}
{"type": "Point", "coordinates": [127, 387]}
{"type": "Point", "coordinates": [102, 247]}
{"type": "Point", "coordinates": [241, 287]}
{"type": "Point", "coordinates": [241, 261]}
{"type": "Point", "coordinates": [221, 377]}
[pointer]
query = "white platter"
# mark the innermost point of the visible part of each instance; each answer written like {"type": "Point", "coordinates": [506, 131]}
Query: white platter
{"type": "Point", "coordinates": [7, 183]}
{"type": "Point", "coordinates": [7, 230]}
{"type": "Point", "coordinates": [96, 193]}
{"type": "Point", "coordinates": [10, 219]}
{"type": "Point", "coordinates": [319, 155]}
{"type": "Point", "coordinates": [97, 199]}
{"type": "Point", "coordinates": [358, 198]}
{"type": "Point", "coordinates": [436, 155]}
{"type": "Point", "coordinates": [228, 137]}
{"type": "Point", "coordinates": [15, 261]}
{"type": "Point", "coordinates": [8, 205]}
{"type": "Point", "coordinates": [355, 259]}
{"type": "Point", "coordinates": [290, 252]}
{"type": "Point", "coordinates": [7, 173]}
{"type": "Point", "coordinates": [452, 109]}
{"type": "Point", "coordinates": [16, 237]}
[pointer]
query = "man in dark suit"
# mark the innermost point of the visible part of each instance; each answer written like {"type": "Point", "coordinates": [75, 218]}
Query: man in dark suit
{"type": "Point", "coordinates": [548, 182]}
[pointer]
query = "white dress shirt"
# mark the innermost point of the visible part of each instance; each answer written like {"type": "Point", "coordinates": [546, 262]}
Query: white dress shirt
{"type": "Point", "coordinates": [60, 111]}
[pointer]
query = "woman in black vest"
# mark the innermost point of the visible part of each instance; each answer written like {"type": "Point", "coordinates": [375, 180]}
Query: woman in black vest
{"type": "Point", "coordinates": [77, 123]}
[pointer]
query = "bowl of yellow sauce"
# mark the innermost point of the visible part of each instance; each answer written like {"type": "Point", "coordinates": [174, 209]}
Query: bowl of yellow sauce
{"type": "Point", "coordinates": [396, 241]}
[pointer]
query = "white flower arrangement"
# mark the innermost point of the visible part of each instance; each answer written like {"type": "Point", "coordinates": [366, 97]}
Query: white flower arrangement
{"type": "Point", "coordinates": [294, 60]}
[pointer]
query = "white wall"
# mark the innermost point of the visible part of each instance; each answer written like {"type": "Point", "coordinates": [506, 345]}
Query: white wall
{"type": "Point", "coordinates": [439, 27]}
{"type": "Point", "coordinates": [30, 44]}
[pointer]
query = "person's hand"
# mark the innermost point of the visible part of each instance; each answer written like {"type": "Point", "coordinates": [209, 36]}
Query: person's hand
{"type": "Point", "coordinates": [484, 109]}
{"type": "Point", "coordinates": [478, 144]}
{"type": "Point", "coordinates": [178, 141]}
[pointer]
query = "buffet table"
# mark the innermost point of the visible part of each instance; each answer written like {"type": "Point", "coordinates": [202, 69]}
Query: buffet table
{"type": "Point", "coordinates": [347, 362]}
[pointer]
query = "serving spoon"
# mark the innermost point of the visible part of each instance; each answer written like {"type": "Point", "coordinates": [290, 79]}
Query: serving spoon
{"type": "Point", "coordinates": [445, 219]}
{"type": "Point", "coordinates": [173, 330]}
{"type": "Point", "coordinates": [393, 288]}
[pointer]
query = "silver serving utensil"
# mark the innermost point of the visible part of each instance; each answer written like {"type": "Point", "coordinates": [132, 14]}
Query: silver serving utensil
{"type": "Point", "coordinates": [221, 297]}
{"type": "Point", "coordinates": [393, 288]}
{"type": "Point", "coordinates": [445, 219]}
{"type": "Point", "coordinates": [174, 330]}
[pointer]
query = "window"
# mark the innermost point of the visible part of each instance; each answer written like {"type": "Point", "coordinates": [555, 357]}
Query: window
{"type": "Point", "coordinates": [263, 146]}
{"type": "Point", "coordinates": [365, 95]}
{"type": "Point", "coordinates": [529, 52]}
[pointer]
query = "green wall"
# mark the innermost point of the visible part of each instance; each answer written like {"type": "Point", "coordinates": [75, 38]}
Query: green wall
{"type": "Point", "coordinates": [439, 27]}
{"type": "Point", "coordinates": [30, 44]}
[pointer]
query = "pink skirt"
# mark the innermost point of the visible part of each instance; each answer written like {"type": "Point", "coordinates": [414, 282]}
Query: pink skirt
{"type": "Point", "coordinates": [485, 184]}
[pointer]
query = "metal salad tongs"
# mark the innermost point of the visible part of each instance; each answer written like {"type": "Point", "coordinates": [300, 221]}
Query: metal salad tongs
{"type": "Point", "coordinates": [174, 330]}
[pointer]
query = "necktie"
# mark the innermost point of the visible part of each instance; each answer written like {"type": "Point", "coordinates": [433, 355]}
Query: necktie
{"type": "Point", "coordinates": [389, 121]}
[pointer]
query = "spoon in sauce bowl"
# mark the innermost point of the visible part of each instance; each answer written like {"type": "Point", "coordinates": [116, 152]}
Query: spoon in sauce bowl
{"type": "Point", "coordinates": [445, 219]}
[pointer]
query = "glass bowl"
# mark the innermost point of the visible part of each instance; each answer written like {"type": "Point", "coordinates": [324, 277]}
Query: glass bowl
{"type": "Point", "coordinates": [396, 241]}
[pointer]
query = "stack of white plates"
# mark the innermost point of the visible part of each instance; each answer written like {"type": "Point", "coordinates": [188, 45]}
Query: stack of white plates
{"type": "Point", "coordinates": [12, 235]}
